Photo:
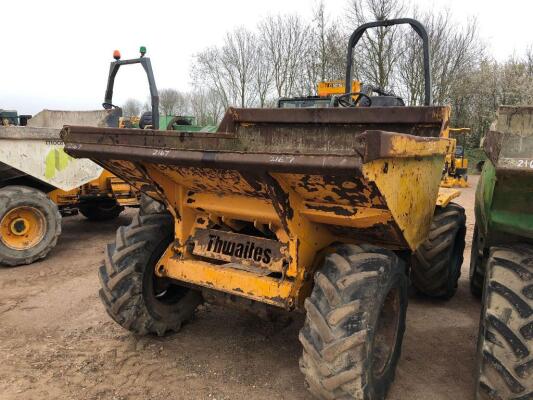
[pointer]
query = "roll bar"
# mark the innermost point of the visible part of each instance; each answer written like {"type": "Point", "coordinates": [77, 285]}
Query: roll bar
{"type": "Point", "coordinates": [417, 27]}
{"type": "Point", "coordinates": [147, 65]}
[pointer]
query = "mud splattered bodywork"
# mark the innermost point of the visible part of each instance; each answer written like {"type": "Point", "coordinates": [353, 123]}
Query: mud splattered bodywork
{"type": "Point", "coordinates": [303, 179]}
{"type": "Point", "coordinates": [503, 198]}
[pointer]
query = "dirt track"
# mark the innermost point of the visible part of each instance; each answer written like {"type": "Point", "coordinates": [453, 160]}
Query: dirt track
{"type": "Point", "coordinates": [56, 342]}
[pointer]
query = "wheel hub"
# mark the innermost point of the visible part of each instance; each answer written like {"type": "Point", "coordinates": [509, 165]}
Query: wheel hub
{"type": "Point", "coordinates": [19, 226]}
{"type": "Point", "coordinates": [22, 228]}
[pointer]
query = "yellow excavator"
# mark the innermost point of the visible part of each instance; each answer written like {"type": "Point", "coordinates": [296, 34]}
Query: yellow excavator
{"type": "Point", "coordinates": [456, 168]}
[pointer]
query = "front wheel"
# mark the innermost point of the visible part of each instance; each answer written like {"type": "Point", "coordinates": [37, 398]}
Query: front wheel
{"type": "Point", "coordinates": [505, 342]}
{"type": "Point", "coordinates": [354, 326]}
{"type": "Point", "coordinates": [131, 292]}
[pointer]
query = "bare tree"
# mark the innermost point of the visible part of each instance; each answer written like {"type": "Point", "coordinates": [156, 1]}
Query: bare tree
{"type": "Point", "coordinates": [378, 50]}
{"type": "Point", "coordinates": [231, 69]}
{"type": "Point", "coordinates": [529, 60]}
{"type": "Point", "coordinates": [326, 51]}
{"type": "Point", "coordinates": [262, 77]}
{"type": "Point", "coordinates": [238, 62]}
{"type": "Point", "coordinates": [171, 102]}
{"type": "Point", "coordinates": [206, 106]}
{"type": "Point", "coordinates": [131, 107]}
{"type": "Point", "coordinates": [285, 40]}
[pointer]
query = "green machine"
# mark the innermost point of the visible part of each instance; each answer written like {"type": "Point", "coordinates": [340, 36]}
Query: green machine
{"type": "Point", "coordinates": [183, 123]}
{"type": "Point", "coordinates": [501, 268]}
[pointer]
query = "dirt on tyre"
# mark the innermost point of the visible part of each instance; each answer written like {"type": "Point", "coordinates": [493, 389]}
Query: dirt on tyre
{"type": "Point", "coordinates": [131, 292]}
{"type": "Point", "coordinates": [100, 210]}
{"type": "Point", "coordinates": [147, 205]}
{"type": "Point", "coordinates": [354, 326]}
{"type": "Point", "coordinates": [477, 265]}
{"type": "Point", "coordinates": [505, 342]}
{"type": "Point", "coordinates": [436, 265]}
{"type": "Point", "coordinates": [30, 225]}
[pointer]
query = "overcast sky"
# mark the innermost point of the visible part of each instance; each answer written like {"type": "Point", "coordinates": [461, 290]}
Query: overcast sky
{"type": "Point", "coordinates": [55, 54]}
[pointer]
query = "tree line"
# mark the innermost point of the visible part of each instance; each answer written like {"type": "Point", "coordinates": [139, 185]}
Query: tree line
{"type": "Point", "coordinates": [287, 55]}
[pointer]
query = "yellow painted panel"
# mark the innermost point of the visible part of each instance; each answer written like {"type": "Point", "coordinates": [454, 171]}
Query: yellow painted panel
{"type": "Point", "coordinates": [404, 146]}
{"type": "Point", "coordinates": [238, 282]}
{"type": "Point", "coordinates": [238, 207]}
{"type": "Point", "coordinates": [357, 217]}
{"type": "Point", "coordinates": [446, 195]}
{"type": "Point", "coordinates": [410, 188]}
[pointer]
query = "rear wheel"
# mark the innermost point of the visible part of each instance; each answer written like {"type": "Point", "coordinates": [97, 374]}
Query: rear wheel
{"type": "Point", "coordinates": [437, 263]}
{"type": "Point", "coordinates": [101, 209]}
{"type": "Point", "coordinates": [505, 342]}
{"type": "Point", "coordinates": [30, 225]}
{"type": "Point", "coordinates": [355, 322]}
{"type": "Point", "coordinates": [132, 294]}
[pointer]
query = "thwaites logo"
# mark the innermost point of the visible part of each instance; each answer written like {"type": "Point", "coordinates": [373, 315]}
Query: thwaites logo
{"type": "Point", "coordinates": [237, 248]}
{"type": "Point", "coordinates": [246, 250]}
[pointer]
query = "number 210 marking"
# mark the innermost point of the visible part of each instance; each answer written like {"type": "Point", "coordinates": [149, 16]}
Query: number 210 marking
{"type": "Point", "coordinates": [525, 163]}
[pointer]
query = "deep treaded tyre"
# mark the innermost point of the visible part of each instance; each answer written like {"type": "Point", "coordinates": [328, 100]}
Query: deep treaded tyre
{"type": "Point", "coordinates": [101, 210]}
{"type": "Point", "coordinates": [132, 294]}
{"type": "Point", "coordinates": [437, 263]}
{"type": "Point", "coordinates": [505, 343]}
{"type": "Point", "coordinates": [355, 322]}
{"type": "Point", "coordinates": [30, 224]}
{"type": "Point", "coordinates": [147, 205]}
{"type": "Point", "coordinates": [477, 266]}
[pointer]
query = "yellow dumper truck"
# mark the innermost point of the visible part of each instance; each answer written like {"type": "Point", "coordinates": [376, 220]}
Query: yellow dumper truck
{"type": "Point", "coordinates": [318, 210]}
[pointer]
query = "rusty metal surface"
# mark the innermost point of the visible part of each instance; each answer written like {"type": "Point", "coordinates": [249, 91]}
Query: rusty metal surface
{"type": "Point", "coordinates": [289, 149]}
{"type": "Point", "coordinates": [362, 115]}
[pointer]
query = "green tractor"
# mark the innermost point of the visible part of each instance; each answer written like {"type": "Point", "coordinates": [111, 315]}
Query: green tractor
{"type": "Point", "coordinates": [501, 268]}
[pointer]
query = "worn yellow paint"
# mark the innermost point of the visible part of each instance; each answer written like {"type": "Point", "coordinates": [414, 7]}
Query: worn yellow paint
{"type": "Point", "coordinates": [238, 207]}
{"type": "Point", "coordinates": [404, 146]}
{"type": "Point", "coordinates": [410, 188]}
{"type": "Point", "coordinates": [400, 199]}
{"type": "Point", "coordinates": [446, 195]}
{"type": "Point", "coordinates": [356, 217]}
{"type": "Point", "coordinates": [226, 279]}
{"type": "Point", "coordinates": [395, 194]}
{"type": "Point", "coordinates": [306, 238]}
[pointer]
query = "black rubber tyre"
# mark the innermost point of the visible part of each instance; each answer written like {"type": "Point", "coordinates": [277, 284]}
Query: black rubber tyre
{"type": "Point", "coordinates": [147, 205]}
{"type": "Point", "coordinates": [101, 210]}
{"type": "Point", "coordinates": [14, 198]}
{"type": "Point", "coordinates": [436, 266]}
{"type": "Point", "coordinates": [355, 322]}
{"type": "Point", "coordinates": [132, 294]}
{"type": "Point", "coordinates": [477, 266]}
{"type": "Point", "coordinates": [505, 342]}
